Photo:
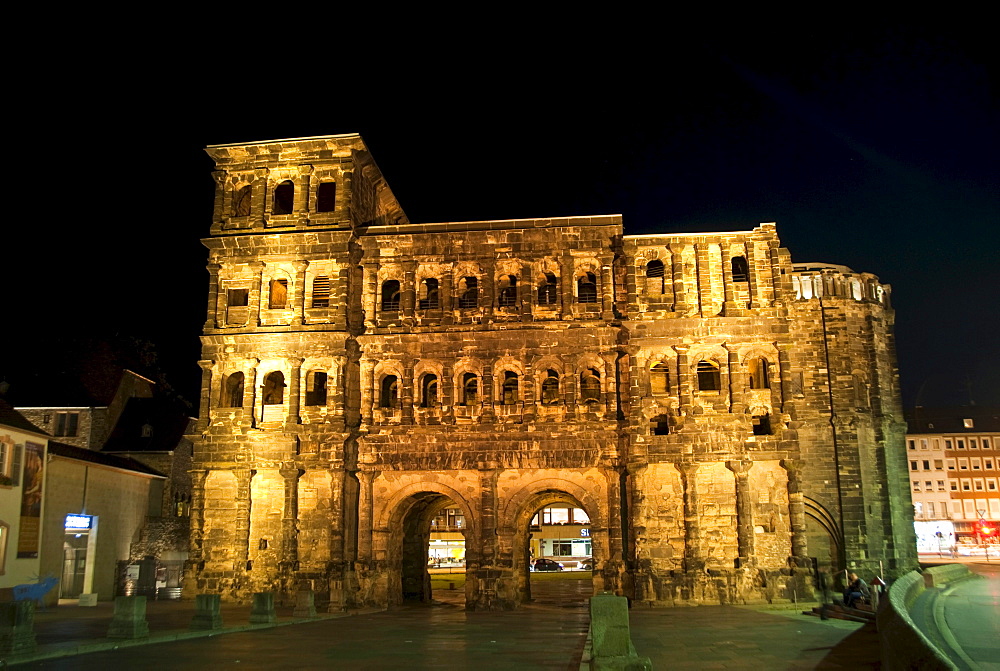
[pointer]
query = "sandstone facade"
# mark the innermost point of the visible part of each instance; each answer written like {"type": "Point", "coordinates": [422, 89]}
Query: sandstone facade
{"type": "Point", "coordinates": [722, 415]}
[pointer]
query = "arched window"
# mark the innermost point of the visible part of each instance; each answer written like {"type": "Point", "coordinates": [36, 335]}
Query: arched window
{"type": "Point", "coordinates": [468, 293]}
{"type": "Point", "coordinates": [326, 197]}
{"type": "Point", "coordinates": [509, 388]}
{"type": "Point", "coordinates": [274, 388]}
{"type": "Point", "coordinates": [590, 386]}
{"type": "Point", "coordinates": [761, 424]}
{"type": "Point", "coordinates": [709, 378]}
{"type": "Point", "coordinates": [760, 373]}
{"type": "Point", "coordinates": [241, 201]}
{"type": "Point", "coordinates": [389, 392]}
{"type": "Point", "coordinates": [284, 198]}
{"type": "Point", "coordinates": [429, 294]}
{"type": "Point", "coordinates": [316, 388]}
{"type": "Point", "coordinates": [660, 425]}
{"type": "Point", "coordinates": [741, 270]}
{"type": "Point", "coordinates": [550, 388]}
{"type": "Point", "coordinates": [586, 288]}
{"type": "Point", "coordinates": [321, 292]}
{"type": "Point", "coordinates": [507, 297]}
{"type": "Point", "coordinates": [390, 296]}
{"type": "Point", "coordinates": [232, 392]}
{"type": "Point", "coordinates": [654, 277]}
{"type": "Point", "coordinates": [659, 379]}
{"type": "Point", "coordinates": [278, 294]}
{"type": "Point", "coordinates": [470, 389]}
{"type": "Point", "coordinates": [547, 290]}
{"type": "Point", "coordinates": [429, 391]}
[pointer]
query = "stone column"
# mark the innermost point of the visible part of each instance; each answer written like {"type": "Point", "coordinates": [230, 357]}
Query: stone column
{"type": "Point", "coordinates": [744, 512]}
{"type": "Point", "coordinates": [729, 307]}
{"type": "Point", "coordinates": [488, 515]}
{"type": "Point", "coordinates": [300, 205]}
{"type": "Point", "coordinates": [447, 383]}
{"type": "Point", "coordinates": [370, 297]}
{"type": "Point", "coordinates": [258, 198]}
{"type": "Point", "coordinates": [367, 390]}
{"type": "Point", "coordinates": [684, 391]}
{"type": "Point", "coordinates": [339, 299]}
{"type": "Point", "coordinates": [488, 289]}
{"type": "Point", "coordinates": [525, 291]}
{"type": "Point", "coordinates": [776, 278]}
{"type": "Point", "coordinates": [704, 280]}
{"type": "Point", "coordinates": [785, 375]}
{"type": "Point", "coordinates": [294, 393]}
{"type": "Point", "coordinates": [241, 544]}
{"type": "Point", "coordinates": [737, 381]}
{"type": "Point", "coordinates": [693, 561]}
{"type": "Point", "coordinates": [607, 291]}
{"type": "Point", "coordinates": [290, 516]}
{"type": "Point", "coordinates": [528, 391]}
{"type": "Point", "coordinates": [569, 384]}
{"type": "Point", "coordinates": [255, 291]}
{"type": "Point", "coordinates": [198, 477]}
{"type": "Point", "coordinates": [487, 393]}
{"type": "Point", "coordinates": [755, 285]}
{"type": "Point", "coordinates": [249, 397]}
{"type": "Point", "coordinates": [610, 389]}
{"type": "Point", "coordinates": [299, 292]}
{"type": "Point", "coordinates": [213, 296]}
{"type": "Point", "coordinates": [677, 277]}
{"type": "Point", "coordinates": [205, 400]}
{"type": "Point", "coordinates": [222, 207]}
{"type": "Point", "coordinates": [567, 277]}
{"type": "Point", "coordinates": [446, 298]}
{"type": "Point", "coordinates": [796, 512]}
{"type": "Point", "coordinates": [408, 298]}
{"type": "Point", "coordinates": [406, 387]}
{"type": "Point", "coordinates": [365, 512]}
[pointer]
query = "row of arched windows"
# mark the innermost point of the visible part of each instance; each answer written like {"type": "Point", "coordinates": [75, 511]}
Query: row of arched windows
{"type": "Point", "coordinates": [546, 290]}
{"type": "Point", "coordinates": [709, 376]}
{"type": "Point", "coordinates": [283, 198]}
{"type": "Point", "coordinates": [656, 273]}
{"type": "Point", "coordinates": [273, 389]}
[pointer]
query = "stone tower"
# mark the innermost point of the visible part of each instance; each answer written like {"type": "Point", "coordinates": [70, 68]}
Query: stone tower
{"type": "Point", "coordinates": [721, 425]}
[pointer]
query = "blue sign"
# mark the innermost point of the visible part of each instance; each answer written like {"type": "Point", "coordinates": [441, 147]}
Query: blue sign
{"type": "Point", "coordinates": [79, 522]}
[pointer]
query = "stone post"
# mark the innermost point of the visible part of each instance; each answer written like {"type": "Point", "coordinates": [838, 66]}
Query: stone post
{"type": "Point", "coordinates": [684, 392]}
{"type": "Point", "coordinates": [737, 402]}
{"type": "Point", "coordinates": [249, 397]}
{"type": "Point", "coordinates": [129, 620]}
{"type": "Point", "coordinates": [610, 388]}
{"type": "Point", "coordinates": [607, 291]}
{"type": "Point", "coordinates": [785, 375]}
{"type": "Point", "coordinates": [17, 622]}
{"type": "Point", "coordinates": [567, 278]}
{"type": "Point", "coordinates": [299, 292]}
{"type": "Point", "coordinates": [729, 307]}
{"type": "Point", "coordinates": [243, 503]}
{"type": "Point", "coordinates": [525, 291]}
{"type": "Point", "coordinates": [528, 392]}
{"type": "Point", "coordinates": [744, 512]}
{"type": "Point", "coordinates": [365, 521]}
{"type": "Point", "coordinates": [406, 389]}
{"type": "Point", "coordinates": [776, 277]}
{"type": "Point", "coordinates": [369, 299]}
{"type": "Point", "coordinates": [756, 300]}
{"type": "Point", "coordinates": [488, 298]}
{"type": "Point", "coordinates": [255, 292]}
{"type": "Point", "coordinates": [796, 513]}
{"type": "Point", "coordinates": [367, 390]}
{"type": "Point", "coordinates": [704, 280]}
{"type": "Point", "coordinates": [262, 610]}
{"type": "Point", "coordinates": [207, 612]}
{"type": "Point", "coordinates": [205, 401]}
{"type": "Point", "coordinates": [611, 637]}
{"type": "Point", "coordinates": [487, 393]}
{"type": "Point", "coordinates": [340, 299]}
{"type": "Point", "coordinates": [693, 561]}
{"type": "Point", "coordinates": [446, 298]}
{"type": "Point", "coordinates": [677, 277]}
{"type": "Point", "coordinates": [305, 604]}
{"type": "Point", "coordinates": [300, 204]}
{"type": "Point", "coordinates": [448, 394]}
{"type": "Point", "coordinates": [213, 296]}
{"type": "Point", "coordinates": [294, 394]}
{"type": "Point", "coordinates": [290, 516]}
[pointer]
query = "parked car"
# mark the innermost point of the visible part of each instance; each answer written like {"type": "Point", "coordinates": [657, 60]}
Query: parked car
{"type": "Point", "coordinates": [543, 564]}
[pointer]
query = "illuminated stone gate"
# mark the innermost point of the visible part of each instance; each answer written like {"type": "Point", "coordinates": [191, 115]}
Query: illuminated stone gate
{"type": "Point", "coordinates": [724, 417]}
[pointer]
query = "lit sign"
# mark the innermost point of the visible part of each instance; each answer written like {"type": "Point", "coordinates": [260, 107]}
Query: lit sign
{"type": "Point", "coordinates": [585, 533]}
{"type": "Point", "coordinates": [78, 522]}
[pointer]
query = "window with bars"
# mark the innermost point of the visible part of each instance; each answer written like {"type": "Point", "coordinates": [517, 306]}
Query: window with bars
{"type": "Point", "coordinates": [321, 292]}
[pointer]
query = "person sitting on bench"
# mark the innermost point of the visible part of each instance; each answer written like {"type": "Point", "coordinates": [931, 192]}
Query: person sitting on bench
{"type": "Point", "coordinates": [856, 592]}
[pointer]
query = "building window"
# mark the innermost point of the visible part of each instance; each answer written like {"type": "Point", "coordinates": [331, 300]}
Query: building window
{"type": "Point", "coordinates": [547, 290]}
{"type": "Point", "coordinates": [759, 370]}
{"type": "Point", "coordinates": [654, 277]}
{"type": "Point", "coordinates": [321, 292]}
{"type": "Point", "coordinates": [507, 297]}
{"type": "Point", "coordinates": [660, 425]}
{"type": "Point", "coordinates": [972, 444]}
{"type": "Point", "coordinates": [586, 288]}
{"type": "Point", "coordinates": [429, 294]}
{"type": "Point", "coordinates": [278, 295]}
{"type": "Point", "coordinates": [916, 485]}
{"type": "Point", "coordinates": [941, 487]}
{"type": "Point", "coordinates": [232, 395]}
{"type": "Point", "coordinates": [429, 391]}
{"type": "Point", "coordinates": [67, 424]}
{"type": "Point", "coordinates": [986, 443]}
{"type": "Point", "coordinates": [923, 443]}
{"type": "Point", "coordinates": [954, 486]}
{"type": "Point", "coordinates": [991, 484]}
{"type": "Point", "coordinates": [659, 379]}
{"type": "Point", "coordinates": [975, 464]}
{"type": "Point", "coordinates": [550, 388]}
{"type": "Point", "coordinates": [390, 296]}
{"type": "Point", "coordinates": [913, 465]}
{"type": "Point", "coordinates": [951, 464]}
{"type": "Point", "coordinates": [509, 388]}
{"type": "Point", "coordinates": [968, 423]}
{"type": "Point", "coordinates": [468, 293]}
{"type": "Point", "coordinates": [947, 444]}
{"type": "Point", "coordinates": [761, 425]}
{"type": "Point", "coordinates": [912, 444]}
{"type": "Point", "coordinates": [741, 271]}
{"type": "Point", "coordinates": [966, 485]}
{"type": "Point", "coordinates": [316, 388]}
{"type": "Point", "coordinates": [326, 197]}
{"type": "Point", "coordinates": [927, 465]}
{"type": "Point", "coordinates": [590, 386]}
{"type": "Point", "coordinates": [470, 389]}
{"type": "Point", "coordinates": [709, 378]}
{"type": "Point", "coordinates": [238, 298]}
{"type": "Point", "coordinates": [284, 198]}
{"type": "Point", "coordinates": [389, 392]}
{"type": "Point", "coordinates": [978, 484]}
{"type": "Point", "coordinates": [961, 444]}
{"type": "Point", "coordinates": [988, 464]}
{"type": "Point", "coordinates": [274, 388]}
{"type": "Point", "coordinates": [963, 464]}
{"type": "Point", "coordinates": [241, 201]}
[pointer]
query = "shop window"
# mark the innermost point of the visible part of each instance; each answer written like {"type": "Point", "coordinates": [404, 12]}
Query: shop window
{"type": "Point", "coordinates": [590, 386]}
{"type": "Point", "coordinates": [510, 382]}
{"type": "Point", "coordinates": [389, 392]}
{"type": "Point", "coordinates": [390, 296]}
{"type": "Point", "coordinates": [654, 277]}
{"type": "Point", "coordinates": [741, 270]}
{"type": "Point", "coordinates": [550, 388]}
{"type": "Point", "coordinates": [709, 377]}
{"type": "Point", "coordinates": [67, 424]}
{"type": "Point", "coordinates": [274, 388]}
{"type": "Point", "coordinates": [238, 298]}
{"type": "Point", "coordinates": [321, 292]}
{"type": "Point", "coordinates": [316, 388]}
{"type": "Point", "coordinates": [660, 425]}
{"type": "Point", "coordinates": [470, 389]}
{"type": "Point", "coordinates": [232, 395]}
{"type": "Point", "coordinates": [284, 198]}
{"type": "Point", "coordinates": [761, 425]}
{"type": "Point", "coordinates": [428, 294]}
{"type": "Point", "coordinates": [659, 379]}
{"type": "Point", "coordinates": [429, 391]}
{"type": "Point", "coordinates": [507, 287]}
{"type": "Point", "coordinates": [586, 288]}
{"type": "Point", "coordinates": [241, 201]}
{"type": "Point", "coordinates": [326, 197]}
{"type": "Point", "coordinates": [547, 290]}
{"type": "Point", "coordinates": [278, 293]}
{"type": "Point", "coordinates": [759, 370]}
{"type": "Point", "coordinates": [468, 293]}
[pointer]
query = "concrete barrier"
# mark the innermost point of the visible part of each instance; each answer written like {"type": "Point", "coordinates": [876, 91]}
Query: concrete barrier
{"type": "Point", "coordinates": [262, 611]}
{"type": "Point", "coordinates": [129, 620]}
{"type": "Point", "coordinates": [17, 621]}
{"type": "Point", "coordinates": [610, 637]}
{"type": "Point", "coordinates": [946, 573]}
{"type": "Point", "coordinates": [903, 645]}
{"type": "Point", "coordinates": [305, 604]}
{"type": "Point", "coordinates": [207, 612]}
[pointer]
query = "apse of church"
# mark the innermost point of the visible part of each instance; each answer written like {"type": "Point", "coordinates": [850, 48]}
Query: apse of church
{"type": "Point", "coordinates": [727, 419]}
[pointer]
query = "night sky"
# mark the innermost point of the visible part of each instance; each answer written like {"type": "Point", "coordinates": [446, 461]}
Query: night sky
{"type": "Point", "coordinates": [874, 148]}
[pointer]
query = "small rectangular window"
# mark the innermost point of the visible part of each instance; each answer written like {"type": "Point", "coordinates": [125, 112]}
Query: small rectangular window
{"type": "Point", "coordinates": [986, 443]}
{"type": "Point", "coordinates": [972, 444]}
{"type": "Point", "coordinates": [939, 464]}
{"type": "Point", "coordinates": [963, 464]}
{"type": "Point", "coordinates": [968, 423]}
{"type": "Point", "coordinates": [927, 465]}
{"type": "Point", "coordinates": [67, 424]}
{"type": "Point", "coordinates": [913, 465]}
{"type": "Point", "coordinates": [966, 485]}
{"type": "Point", "coordinates": [954, 486]}
{"type": "Point", "coordinates": [961, 444]}
{"type": "Point", "coordinates": [941, 486]}
{"type": "Point", "coordinates": [913, 444]}
{"type": "Point", "coordinates": [976, 464]}
{"type": "Point", "coordinates": [947, 444]}
{"type": "Point", "coordinates": [916, 485]}
{"type": "Point", "coordinates": [238, 298]}
{"type": "Point", "coordinates": [991, 485]}
{"type": "Point", "coordinates": [951, 464]}
{"type": "Point", "coordinates": [923, 443]}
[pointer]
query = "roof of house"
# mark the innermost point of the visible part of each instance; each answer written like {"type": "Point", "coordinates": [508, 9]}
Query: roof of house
{"type": "Point", "coordinates": [90, 456]}
{"type": "Point", "coordinates": [15, 420]}
{"type": "Point", "coordinates": [953, 419]}
{"type": "Point", "coordinates": [148, 425]}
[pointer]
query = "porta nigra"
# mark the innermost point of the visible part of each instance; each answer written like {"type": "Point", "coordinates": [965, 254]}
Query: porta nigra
{"type": "Point", "coordinates": [728, 419]}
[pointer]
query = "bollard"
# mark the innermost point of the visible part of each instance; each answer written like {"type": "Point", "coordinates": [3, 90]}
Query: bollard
{"type": "Point", "coordinates": [207, 612]}
{"type": "Point", "coordinates": [17, 620]}
{"type": "Point", "coordinates": [610, 636]}
{"type": "Point", "coordinates": [305, 604]}
{"type": "Point", "coordinates": [262, 611]}
{"type": "Point", "coordinates": [129, 620]}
